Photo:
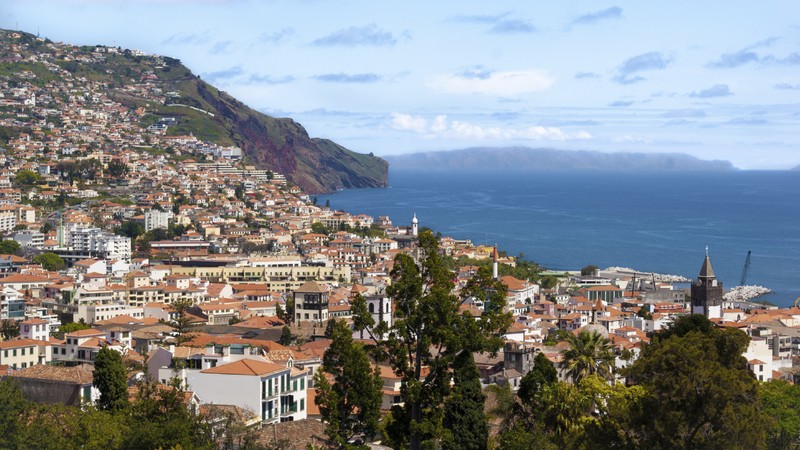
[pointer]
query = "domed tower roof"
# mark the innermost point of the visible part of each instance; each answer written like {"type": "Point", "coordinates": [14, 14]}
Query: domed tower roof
{"type": "Point", "coordinates": [414, 220]}
{"type": "Point", "coordinates": [595, 328]}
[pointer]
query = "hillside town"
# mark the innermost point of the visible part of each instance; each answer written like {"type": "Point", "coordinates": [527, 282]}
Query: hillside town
{"type": "Point", "coordinates": [198, 267]}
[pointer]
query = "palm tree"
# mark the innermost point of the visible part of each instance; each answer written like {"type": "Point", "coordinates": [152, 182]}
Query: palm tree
{"type": "Point", "coordinates": [589, 354]}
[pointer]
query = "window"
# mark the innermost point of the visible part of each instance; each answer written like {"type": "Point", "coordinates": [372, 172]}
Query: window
{"type": "Point", "coordinates": [302, 404]}
{"type": "Point", "coordinates": [302, 384]}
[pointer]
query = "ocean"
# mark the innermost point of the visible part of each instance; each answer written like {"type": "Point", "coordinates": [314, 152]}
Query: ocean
{"type": "Point", "coordinates": [653, 222]}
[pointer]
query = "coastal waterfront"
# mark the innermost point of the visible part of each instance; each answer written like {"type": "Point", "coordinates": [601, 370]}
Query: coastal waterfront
{"type": "Point", "coordinates": [658, 222]}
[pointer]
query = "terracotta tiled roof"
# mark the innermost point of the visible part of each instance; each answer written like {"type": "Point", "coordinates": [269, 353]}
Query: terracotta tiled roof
{"type": "Point", "coordinates": [246, 367]}
{"type": "Point", "coordinates": [91, 332]}
{"type": "Point", "coordinates": [77, 374]}
{"type": "Point", "coordinates": [308, 286]}
{"type": "Point", "coordinates": [17, 343]}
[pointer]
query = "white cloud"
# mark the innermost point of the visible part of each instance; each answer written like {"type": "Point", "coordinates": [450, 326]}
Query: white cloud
{"type": "Point", "coordinates": [441, 128]}
{"type": "Point", "coordinates": [507, 83]}
{"type": "Point", "coordinates": [439, 124]}
{"type": "Point", "coordinates": [628, 139]}
{"type": "Point", "coordinates": [407, 122]}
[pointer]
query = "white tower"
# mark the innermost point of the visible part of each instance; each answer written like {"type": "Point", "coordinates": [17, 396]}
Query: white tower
{"type": "Point", "coordinates": [414, 225]}
{"type": "Point", "coordinates": [494, 263]}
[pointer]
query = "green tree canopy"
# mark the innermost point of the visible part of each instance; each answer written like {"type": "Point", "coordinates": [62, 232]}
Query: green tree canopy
{"type": "Point", "coordinates": [781, 401]}
{"type": "Point", "coordinates": [700, 393]}
{"type": "Point", "coordinates": [541, 375]}
{"type": "Point", "coordinates": [351, 404]}
{"type": "Point", "coordinates": [589, 353]}
{"type": "Point", "coordinates": [50, 261]}
{"type": "Point", "coordinates": [110, 379]}
{"type": "Point", "coordinates": [463, 416]}
{"type": "Point", "coordinates": [72, 327]}
{"type": "Point", "coordinates": [130, 229]}
{"type": "Point", "coordinates": [117, 169]}
{"type": "Point", "coordinates": [286, 336]}
{"type": "Point", "coordinates": [9, 329]}
{"type": "Point", "coordinates": [27, 177]}
{"type": "Point", "coordinates": [12, 407]}
{"type": "Point", "coordinates": [181, 323]}
{"type": "Point", "coordinates": [9, 247]}
{"type": "Point", "coordinates": [428, 332]}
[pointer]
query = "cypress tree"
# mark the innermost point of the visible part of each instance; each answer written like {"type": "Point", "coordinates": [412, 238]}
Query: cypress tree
{"type": "Point", "coordinates": [463, 410]}
{"type": "Point", "coordinates": [111, 380]}
{"type": "Point", "coordinates": [351, 405]}
{"type": "Point", "coordinates": [542, 374]}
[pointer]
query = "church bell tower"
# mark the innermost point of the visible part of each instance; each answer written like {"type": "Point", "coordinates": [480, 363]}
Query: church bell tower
{"type": "Point", "coordinates": [707, 292]}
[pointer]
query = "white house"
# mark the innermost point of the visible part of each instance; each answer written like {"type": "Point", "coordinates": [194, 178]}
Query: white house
{"type": "Point", "coordinates": [36, 328]}
{"type": "Point", "coordinates": [275, 392]}
{"type": "Point", "coordinates": [759, 358]}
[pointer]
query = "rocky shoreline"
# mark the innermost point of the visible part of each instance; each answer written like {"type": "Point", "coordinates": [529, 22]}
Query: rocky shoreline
{"type": "Point", "coordinates": [742, 293]}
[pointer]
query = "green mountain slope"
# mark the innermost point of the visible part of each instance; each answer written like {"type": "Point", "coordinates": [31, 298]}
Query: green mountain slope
{"type": "Point", "coordinates": [278, 144]}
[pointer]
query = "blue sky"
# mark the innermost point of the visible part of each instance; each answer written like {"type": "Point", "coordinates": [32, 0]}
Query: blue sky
{"type": "Point", "coordinates": [718, 80]}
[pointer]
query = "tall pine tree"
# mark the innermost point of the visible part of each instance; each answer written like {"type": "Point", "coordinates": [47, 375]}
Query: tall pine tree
{"type": "Point", "coordinates": [110, 379]}
{"type": "Point", "coordinates": [463, 411]}
{"type": "Point", "coordinates": [351, 405]}
{"type": "Point", "coordinates": [428, 332]}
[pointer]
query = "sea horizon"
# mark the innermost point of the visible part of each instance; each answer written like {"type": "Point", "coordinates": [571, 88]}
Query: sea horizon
{"type": "Point", "coordinates": [651, 221]}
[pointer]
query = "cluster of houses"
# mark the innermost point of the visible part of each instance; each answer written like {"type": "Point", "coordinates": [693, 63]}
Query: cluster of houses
{"type": "Point", "coordinates": [251, 253]}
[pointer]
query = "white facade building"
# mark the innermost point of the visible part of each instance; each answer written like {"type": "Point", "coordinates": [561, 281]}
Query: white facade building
{"type": "Point", "coordinates": [101, 242]}
{"type": "Point", "coordinates": [275, 392]}
{"type": "Point", "coordinates": [157, 219]}
{"type": "Point", "coordinates": [30, 239]}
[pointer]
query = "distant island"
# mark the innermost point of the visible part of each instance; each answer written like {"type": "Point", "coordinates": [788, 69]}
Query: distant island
{"type": "Point", "coordinates": [552, 159]}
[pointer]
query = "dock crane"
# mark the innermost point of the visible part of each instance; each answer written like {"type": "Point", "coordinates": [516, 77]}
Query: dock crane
{"type": "Point", "coordinates": [746, 270]}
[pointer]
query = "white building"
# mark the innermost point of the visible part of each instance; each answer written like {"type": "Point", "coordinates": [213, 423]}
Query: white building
{"type": "Point", "coordinates": [30, 239]}
{"type": "Point", "coordinates": [275, 392]}
{"type": "Point", "coordinates": [380, 308]}
{"type": "Point", "coordinates": [157, 219]}
{"type": "Point", "coordinates": [22, 353]}
{"type": "Point", "coordinates": [311, 302]}
{"type": "Point", "coordinates": [36, 328]}
{"type": "Point", "coordinates": [101, 242]}
{"type": "Point", "coordinates": [8, 220]}
{"type": "Point", "coordinates": [759, 358]}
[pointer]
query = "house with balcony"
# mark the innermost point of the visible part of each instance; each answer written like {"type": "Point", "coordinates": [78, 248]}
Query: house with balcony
{"type": "Point", "coordinates": [82, 346]}
{"type": "Point", "coordinates": [276, 392]}
{"type": "Point", "coordinates": [311, 302]}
